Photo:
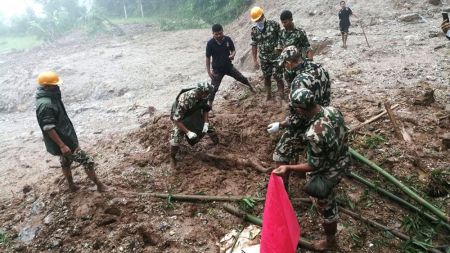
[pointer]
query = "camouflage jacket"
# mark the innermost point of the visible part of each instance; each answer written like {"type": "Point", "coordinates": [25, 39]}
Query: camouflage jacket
{"type": "Point", "coordinates": [327, 150]}
{"type": "Point", "coordinates": [185, 103]}
{"type": "Point", "coordinates": [266, 40]}
{"type": "Point", "coordinates": [315, 78]}
{"type": "Point", "coordinates": [296, 37]}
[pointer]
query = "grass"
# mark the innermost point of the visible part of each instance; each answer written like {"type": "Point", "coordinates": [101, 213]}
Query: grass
{"type": "Point", "coordinates": [3, 238]}
{"type": "Point", "coordinates": [8, 43]}
{"type": "Point", "coordinates": [374, 141]}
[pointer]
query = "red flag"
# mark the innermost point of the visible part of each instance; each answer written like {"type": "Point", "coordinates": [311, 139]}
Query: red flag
{"type": "Point", "coordinates": [281, 230]}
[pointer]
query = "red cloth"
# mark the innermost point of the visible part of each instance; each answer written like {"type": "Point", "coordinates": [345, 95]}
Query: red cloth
{"type": "Point", "coordinates": [281, 230]}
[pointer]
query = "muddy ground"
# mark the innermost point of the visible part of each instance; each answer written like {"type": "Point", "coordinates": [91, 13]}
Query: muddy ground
{"type": "Point", "coordinates": [118, 90]}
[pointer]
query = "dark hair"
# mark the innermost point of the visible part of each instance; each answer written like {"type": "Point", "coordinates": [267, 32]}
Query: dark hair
{"type": "Point", "coordinates": [217, 28]}
{"type": "Point", "coordinates": [285, 15]}
{"type": "Point", "coordinates": [343, 2]}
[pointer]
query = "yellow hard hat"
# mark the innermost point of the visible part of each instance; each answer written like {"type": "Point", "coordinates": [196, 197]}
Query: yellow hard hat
{"type": "Point", "coordinates": [48, 78]}
{"type": "Point", "coordinates": [256, 13]}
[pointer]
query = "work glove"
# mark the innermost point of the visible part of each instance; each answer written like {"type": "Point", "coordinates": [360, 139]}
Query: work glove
{"type": "Point", "coordinates": [205, 128]}
{"type": "Point", "coordinates": [191, 135]}
{"type": "Point", "coordinates": [273, 128]}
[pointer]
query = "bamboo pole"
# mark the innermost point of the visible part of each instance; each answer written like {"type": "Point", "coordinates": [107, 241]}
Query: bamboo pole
{"type": "Point", "coordinates": [397, 199]}
{"type": "Point", "coordinates": [183, 197]}
{"type": "Point", "coordinates": [441, 215]}
{"type": "Point", "coordinates": [257, 221]}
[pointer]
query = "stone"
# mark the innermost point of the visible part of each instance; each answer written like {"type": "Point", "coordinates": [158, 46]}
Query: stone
{"type": "Point", "coordinates": [446, 140]}
{"type": "Point", "coordinates": [410, 17]}
{"type": "Point", "coordinates": [435, 2]}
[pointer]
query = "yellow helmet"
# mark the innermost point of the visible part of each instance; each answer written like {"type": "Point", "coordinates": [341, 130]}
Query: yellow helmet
{"type": "Point", "coordinates": [48, 78]}
{"type": "Point", "coordinates": [256, 13]}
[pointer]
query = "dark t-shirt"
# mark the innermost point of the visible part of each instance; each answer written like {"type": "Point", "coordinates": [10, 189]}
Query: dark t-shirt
{"type": "Point", "coordinates": [344, 17]}
{"type": "Point", "coordinates": [220, 53]}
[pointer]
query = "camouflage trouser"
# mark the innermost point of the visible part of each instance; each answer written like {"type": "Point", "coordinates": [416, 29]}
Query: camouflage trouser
{"type": "Point", "coordinates": [80, 157]}
{"type": "Point", "coordinates": [270, 68]}
{"type": "Point", "coordinates": [328, 208]}
{"type": "Point", "coordinates": [289, 146]}
{"type": "Point", "coordinates": [176, 137]}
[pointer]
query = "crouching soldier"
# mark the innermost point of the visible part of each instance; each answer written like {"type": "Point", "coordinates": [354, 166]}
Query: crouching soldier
{"type": "Point", "coordinates": [59, 134]}
{"type": "Point", "coordinates": [328, 159]}
{"type": "Point", "coordinates": [190, 118]}
{"type": "Point", "coordinates": [313, 77]}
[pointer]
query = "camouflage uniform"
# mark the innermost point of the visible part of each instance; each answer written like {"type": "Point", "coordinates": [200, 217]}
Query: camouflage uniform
{"type": "Point", "coordinates": [267, 41]}
{"type": "Point", "coordinates": [328, 154]}
{"type": "Point", "coordinates": [186, 102]}
{"type": "Point", "coordinates": [78, 156]}
{"type": "Point", "coordinates": [315, 78]}
{"type": "Point", "coordinates": [295, 37]}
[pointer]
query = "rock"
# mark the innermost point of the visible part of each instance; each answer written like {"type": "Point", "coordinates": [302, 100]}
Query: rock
{"type": "Point", "coordinates": [312, 13]}
{"type": "Point", "coordinates": [446, 9]}
{"type": "Point", "coordinates": [447, 108]}
{"type": "Point", "coordinates": [433, 34]}
{"type": "Point", "coordinates": [36, 207]}
{"type": "Point", "coordinates": [446, 140]}
{"type": "Point", "coordinates": [106, 220]}
{"type": "Point", "coordinates": [28, 233]}
{"type": "Point", "coordinates": [425, 98]}
{"type": "Point", "coordinates": [26, 189]}
{"type": "Point", "coordinates": [410, 17]}
{"type": "Point", "coordinates": [435, 2]}
{"type": "Point", "coordinates": [113, 211]}
{"type": "Point", "coordinates": [431, 78]}
{"type": "Point", "coordinates": [48, 219]}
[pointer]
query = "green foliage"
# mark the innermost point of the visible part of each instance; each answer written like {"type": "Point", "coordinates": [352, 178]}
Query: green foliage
{"type": "Point", "coordinates": [3, 239]}
{"type": "Point", "coordinates": [374, 141]}
{"type": "Point", "coordinates": [18, 42]}
{"type": "Point", "coordinates": [247, 204]}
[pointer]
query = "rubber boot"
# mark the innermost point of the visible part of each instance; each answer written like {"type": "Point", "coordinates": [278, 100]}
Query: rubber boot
{"type": "Point", "coordinates": [93, 176]}
{"type": "Point", "coordinates": [330, 241]}
{"type": "Point", "coordinates": [68, 175]}
{"type": "Point", "coordinates": [268, 85]}
{"type": "Point", "coordinates": [173, 153]}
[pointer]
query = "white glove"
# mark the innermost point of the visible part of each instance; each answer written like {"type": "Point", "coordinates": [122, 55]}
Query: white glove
{"type": "Point", "coordinates": [273, 128]}
{"type": "Point", "coordinates": [205, 128]}
{"type": "Point", "coordinates": [191, 135]}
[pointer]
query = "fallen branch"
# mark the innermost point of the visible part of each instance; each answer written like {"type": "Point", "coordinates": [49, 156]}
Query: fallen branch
{"type": "Point", "coordinates": [182, 197]}
{"type": "Point", "coordinates": [441, 215]}
{"type": "Point", "coordinates": [397, 199]}
{"type": "Point", "coordinates": [257, 221]}
{"type": "Point", "coordinates": [374, 118]}
{"type": "Point", "coordinates": [391, 115]}
{"type": "Point", "coordinates": [393, 231]}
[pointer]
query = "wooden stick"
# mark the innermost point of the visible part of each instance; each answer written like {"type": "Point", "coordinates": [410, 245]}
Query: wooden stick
{"type": "Point", "coordinates": [376, 117]}
{"type": "Point", "coordinates": [362, 28]}
{"type": "Point", "coordinates": [391, 115]}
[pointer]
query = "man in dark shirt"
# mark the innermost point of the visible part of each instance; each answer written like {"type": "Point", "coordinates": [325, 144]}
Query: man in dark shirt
{"type": "Point", "coordinates": [344, 22]}
{"type": "Point", "coordinates": [222, 50]}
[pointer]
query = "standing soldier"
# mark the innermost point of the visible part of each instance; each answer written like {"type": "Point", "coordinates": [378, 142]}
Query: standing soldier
{"type": "Point", "coordinates": [328, 159]}
{"type": "Point", "coordinates": [313, 77]}
{"type": "Point", "coordinates": [265, 36]}
{"type": "Point", "coordinates": [293, 36]}
{"type": "Point", "coordinates": [190, 118]}
{"type": "Point", "coordinates": [222, 50]}
{"type": "Point", "coordinates": [59, 134]}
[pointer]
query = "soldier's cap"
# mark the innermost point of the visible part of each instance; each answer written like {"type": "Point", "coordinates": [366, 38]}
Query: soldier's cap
{"type": "Point", "coordinates": [289, 53]}
{"type": "Point", "coordinates": [204, 87]}
{"type": "Point", "coordinates": [302, 98]}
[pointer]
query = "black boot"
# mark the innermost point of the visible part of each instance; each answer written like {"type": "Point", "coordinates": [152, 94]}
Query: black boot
{"type": "Point", "coordinates": [330, 241]}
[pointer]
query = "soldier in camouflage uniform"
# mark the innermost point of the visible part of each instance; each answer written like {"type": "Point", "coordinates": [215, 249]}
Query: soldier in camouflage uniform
{"type": "Point", "coordinates": [310, 76]}
{"type": "Point", "coordinates": [59, 134]}
{"type": "Point", "coordinates": [293, 36]}
{"type": "Point", "coordinates": [328, 156]}
{"type": "Point", "coordinates": [265, 37]}
{"type": "Point", "coordinates": [189, 102]}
